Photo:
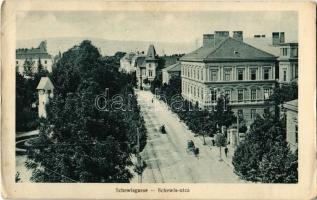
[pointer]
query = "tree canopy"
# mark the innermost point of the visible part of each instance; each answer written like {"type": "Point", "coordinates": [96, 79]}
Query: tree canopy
{"type": "Point", "coordinates": [77, 141]}
{"type": "Point", "coordinates": [264, 155]}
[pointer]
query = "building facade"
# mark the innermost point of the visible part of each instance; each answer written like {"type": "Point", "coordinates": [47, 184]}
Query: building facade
{"type": "Point", "coordinates": [45, 91]}
{"type": "Point", "coordinates": [226, 65]}
{"type": "Point", "coordinates": [34, 56]}
{"type": "Point", "coordinates": [291, 115]}
{"type": "Point", "coordinates": [288, 62]}
{"type": "Point", "coordinates": [130, 62]}
{"type": "Point", "coordinates": [146, 70]}
{"type": "Point", "coordinates": [171, 71]}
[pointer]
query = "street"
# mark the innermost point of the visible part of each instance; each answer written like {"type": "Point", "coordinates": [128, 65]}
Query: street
{"type": "Point", "coordinates": [165, 154]}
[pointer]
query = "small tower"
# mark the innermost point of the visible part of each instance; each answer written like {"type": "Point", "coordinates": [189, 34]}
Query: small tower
{"type": "Point", "coordinates": [45, 90]}
{"type": "Point", "coordinates": [151, 63]}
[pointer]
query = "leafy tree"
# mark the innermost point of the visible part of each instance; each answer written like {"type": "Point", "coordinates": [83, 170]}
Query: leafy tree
{"type": "Point", "coordinates": [220, 141]}
{"type": "Point", "coordinates": [283, 93]}
{"type": "Point", "coordinates": [156, 83]}
{"type": "Point", "coordinates": [28, 67]}
{"type": "Point", "coordinates": [223, 114]}
{"type": "Point", "coordinates": [264, 146]}
{"type": "Point", "coordinates": [279, 165]}
{"type": "Point", "coordinates": [26, 95]}
{"type": "Point", "coordinates": [78, 142]}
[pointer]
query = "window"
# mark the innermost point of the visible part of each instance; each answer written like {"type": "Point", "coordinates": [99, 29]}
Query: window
{"type": "Point", "coordinates": [266, 74]}
{"type": "Point", "coordinates": [296, 133]}
{"type": "Point", "coordinates": [296, 71]}
{"type": "Point", "coordinates": [198, 73]}
{"type": "Point", "coordinates": [202, 94]}
{"type": "Point", "coordinates": [45, 61]}
{"type": "Point", "coordinates": [284, 75]}
{"type": "Point", "coordinates": [253, 74]}
{"type": "Point", "coordinates": [202, 74]}
{"type": "Point", "coordinates": [213, 95]}
{"type": "Point", "coordinates": [187, 72]}
{"type": "Point", "coordinates": [214, 75]}
{"type": "Point", "coordinates": [150, 73]}
{"type": "Point", "coordinates": [194, 91]}
{"type": "Point", "coordinates": [198, 92]}
{"type": "Point", "coordinates": [240, 95]}
{"type": "Point", "coordinates": [240, 74]}
{"type": "Point", "coordinates": [284, 51]}
{"type": "Point", "coordinates": [253, 95]}
{"type": "Point", "coordinates": [266, 94]}
{"type": "Point", "coordinates": [295, 52]}
{"type": "Point", "coordinates": [227, 75]}
{"type": "Point", "coordinates": [253, 113]}
{"type": "Point", "coordinates": [17, 62]}
{"type": "Point", "coordinates": [194, 73]}
{"type": "Point", "coordinates": [228, 94]}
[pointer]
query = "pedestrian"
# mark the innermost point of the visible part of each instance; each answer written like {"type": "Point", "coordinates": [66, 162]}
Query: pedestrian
{"type": "Point", "coordinates": [213, 142]}
{"type": "Point", "coordinates": [226, 151]}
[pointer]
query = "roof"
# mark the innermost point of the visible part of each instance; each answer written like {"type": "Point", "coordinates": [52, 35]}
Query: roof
{"type": "Point", "coordinates": [151, 53]}
{"type": "Point", "coordinates": [33, 53]}
{"type": "Point", "coordinates": [227, 50]}
{"type": "Point", "coordinates": [292, 105]}
{"type": "Point", "coordinates": [264, 44]}
{"type": "Point", "coordinates": [139, 59]}
{"type": "Point", "coordinates": [129, 56]}
{"type": "Point", "coordinates": [173, 68]}
{"type": "Point", "coordinates": [45, 84]}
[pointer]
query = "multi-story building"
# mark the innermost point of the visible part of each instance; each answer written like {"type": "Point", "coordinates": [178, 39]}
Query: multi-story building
{"type": "Point", "coordinates": [227, 65]}
{"type": "Point", "coordinates": [144, 65]}
{"type": "Point", "coordinates": [291, 115]}
{"type": "Point", "coordinates": [168, 72]}
{"type": "Point", "coordinates": [34, 56]}
{"type": "Point", "coordinates": [146, 70]}
{"type": "Point", "coordinates": [288, 62]}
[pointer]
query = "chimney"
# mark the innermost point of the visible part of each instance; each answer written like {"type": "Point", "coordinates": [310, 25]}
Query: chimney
{"type": "Point", "coordinates": [238, 35]}
{"type": "Point", "coordinates": [220, 36]}
{"type": "Point", "coordinates": [282, 37]}
{"type": "Point", "coordinates": [275, 38]}
{"type": "Point", "coordinates": [208, 40]}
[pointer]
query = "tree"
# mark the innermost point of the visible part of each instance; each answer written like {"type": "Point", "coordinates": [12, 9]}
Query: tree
{"type": "Point", "coordinates": [263, 152]}
{"type": "Point", "coordinates": [220, 142]}
{"type": "Point", "coordinates": [78, 142]}
{"type": "Point", "coordinates": [272, 170]}
{"type": "Point", "coordinates": [283, 93]}
{"type": "Point", "coordinates": [26, 95]}
{"type": "Point", "coordinates": [223, 114]}
{"type": "Point", "coordinates": [28, 67]}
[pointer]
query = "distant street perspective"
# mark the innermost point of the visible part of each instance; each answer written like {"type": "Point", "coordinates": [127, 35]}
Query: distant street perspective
{"type": "Point", "coordinates": [125, 105]}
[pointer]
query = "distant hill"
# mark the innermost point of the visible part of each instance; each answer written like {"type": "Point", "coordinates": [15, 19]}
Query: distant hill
{"type": "Point", "coordinates": [108, 47]}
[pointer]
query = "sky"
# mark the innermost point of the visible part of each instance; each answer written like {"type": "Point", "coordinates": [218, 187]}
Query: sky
{"type": "Point", "coordinates": [152, 26]}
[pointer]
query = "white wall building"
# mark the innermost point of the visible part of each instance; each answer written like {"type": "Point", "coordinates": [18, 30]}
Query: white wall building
{"type": "Point", "coordinates": [45, 91]}
{"type": "Point", "coordinates": [34, 55]}
{"type": "Point", "coordinates": [291, 113]}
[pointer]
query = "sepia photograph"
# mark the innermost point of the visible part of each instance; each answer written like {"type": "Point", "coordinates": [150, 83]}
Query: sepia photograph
{"type": "Point", "coordinates": [158, 100]}
{"type": "Point", "coordinates": [110, 97]}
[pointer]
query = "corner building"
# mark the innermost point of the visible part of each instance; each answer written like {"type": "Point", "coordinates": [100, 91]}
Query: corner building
{"type": "Point", "coordinates": [227, 65]}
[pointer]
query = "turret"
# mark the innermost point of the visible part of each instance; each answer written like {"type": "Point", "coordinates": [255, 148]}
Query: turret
{"type": "Point", "coordinates": [45, 91]}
